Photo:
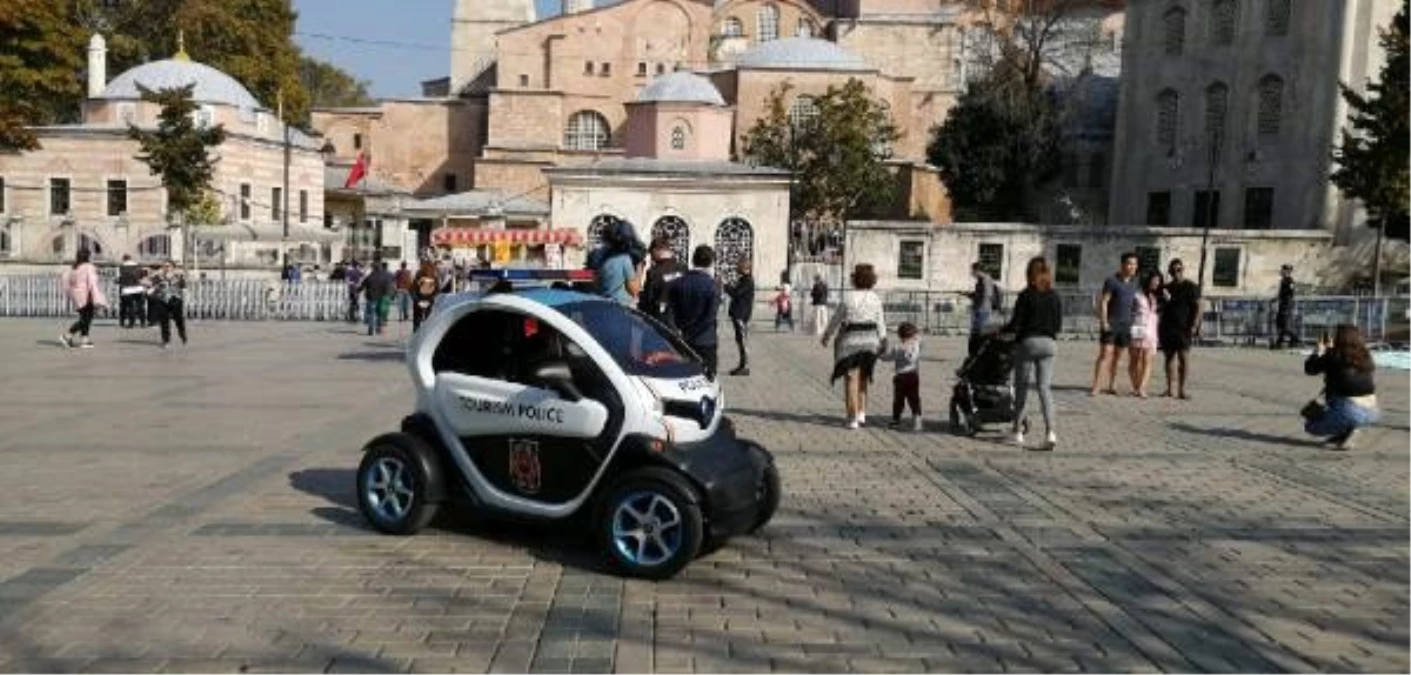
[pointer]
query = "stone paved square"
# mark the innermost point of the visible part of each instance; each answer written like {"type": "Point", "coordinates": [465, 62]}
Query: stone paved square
{"type": "Point", "coordinates": [193, 510]}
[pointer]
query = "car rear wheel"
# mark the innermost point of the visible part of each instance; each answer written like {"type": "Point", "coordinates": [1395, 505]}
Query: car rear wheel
{"type": "Point", "coordinates": [651, 524]}
{"type": "Point", "coordinates": [392, 485]}
{"type": "Point", "coordinates": [767, 495]}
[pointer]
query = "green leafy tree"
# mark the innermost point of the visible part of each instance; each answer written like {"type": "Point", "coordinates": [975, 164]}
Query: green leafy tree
{"type": "Point", "coordinates": [330, 87]}
{"type": "Point", "coordinates": [179, 150]}
{"type": "Point", "coordinates": [41, 61]}
{"type": "Point", "coordinates": [838, 155]}
{"type": "Point", "coordinates": [1372, 161]}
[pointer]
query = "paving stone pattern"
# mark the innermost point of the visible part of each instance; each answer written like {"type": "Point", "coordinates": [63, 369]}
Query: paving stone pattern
{"type": "Point", "coordinates": [193, 510]}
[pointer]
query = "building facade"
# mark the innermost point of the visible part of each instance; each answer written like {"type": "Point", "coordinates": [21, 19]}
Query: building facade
{"type": "Point", "coordinates": [1229, 110]}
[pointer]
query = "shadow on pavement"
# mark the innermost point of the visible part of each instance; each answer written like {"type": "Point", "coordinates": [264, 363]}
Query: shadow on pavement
{"type": "Point", "coordinates": [804, 418]}
{"type": "Point", "coordinates": [1246, 435]}
{"type": "Point", "coordinates": [397, 355]}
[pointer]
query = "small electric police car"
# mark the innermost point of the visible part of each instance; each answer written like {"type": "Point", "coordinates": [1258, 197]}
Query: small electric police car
{"type": "Point", "coordinates": [549, 404]}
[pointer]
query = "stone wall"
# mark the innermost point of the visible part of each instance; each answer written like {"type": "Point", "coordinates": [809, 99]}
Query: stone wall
{"type": "Point", "coordinates": [949, 250]}
{"type": "Point", "coordinates": [415, 144]}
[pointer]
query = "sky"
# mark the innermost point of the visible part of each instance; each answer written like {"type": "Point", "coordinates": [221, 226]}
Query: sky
{"type": "Point", "coordinates": [421, 27]}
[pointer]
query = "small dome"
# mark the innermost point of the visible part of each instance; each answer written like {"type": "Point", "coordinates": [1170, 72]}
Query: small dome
{"type": "Point", "coordinates": [681, 87]}
{"type": "Point", "coordinates": [212, 86]}
{"type": "Point", "coordinates": [800, 53]}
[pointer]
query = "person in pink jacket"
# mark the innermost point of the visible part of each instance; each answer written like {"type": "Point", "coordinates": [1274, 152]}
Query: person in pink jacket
{"type": "Point", "coordinates": [81, 284]}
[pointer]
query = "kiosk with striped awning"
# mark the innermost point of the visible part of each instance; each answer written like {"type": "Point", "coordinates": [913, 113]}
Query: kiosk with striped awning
{"type": "Point", "coordinates": [464, 236]}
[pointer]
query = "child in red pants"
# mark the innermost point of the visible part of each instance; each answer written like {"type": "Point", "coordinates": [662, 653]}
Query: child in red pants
{"type": "Point", "coordinates": [906, 383]}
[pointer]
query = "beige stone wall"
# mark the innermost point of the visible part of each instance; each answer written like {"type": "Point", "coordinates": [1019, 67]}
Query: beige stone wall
{"type": "Point", "coordinates": [703, 204]}
{"type": "Point", "coordinates": [792, 16]}
{"type": "Point", "coordinates": [951, 249]}
{"type": "Point", "coordinates": [474, 39]}
{"type": "Point", "coordinates": [706, 131]}
{"type": "Point", "coordinates": [753, 88]}
{"type": "Point", "coordinates": [414, 144]}
{"type": "Point", "coordinates": [527, 119]}
{"type": "Point", "coordinates": [89, 158]}
{"type": "Point", "coordinates": [514, 177]}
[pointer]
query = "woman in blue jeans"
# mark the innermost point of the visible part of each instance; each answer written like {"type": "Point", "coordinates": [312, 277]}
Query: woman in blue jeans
{"type": "Point", "coordinates": [1346, 367]}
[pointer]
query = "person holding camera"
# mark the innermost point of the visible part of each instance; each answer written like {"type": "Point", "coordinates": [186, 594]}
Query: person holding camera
{"type": "Point", "coordinates": [1346, 366]}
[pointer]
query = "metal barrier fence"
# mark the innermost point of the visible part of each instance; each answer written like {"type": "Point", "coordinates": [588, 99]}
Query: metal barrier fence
{"type": "Point", "coordinates": [1232, 320]}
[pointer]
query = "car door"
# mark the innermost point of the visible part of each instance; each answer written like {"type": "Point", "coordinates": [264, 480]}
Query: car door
{"type": "Point", "coordinates": [524, 436]}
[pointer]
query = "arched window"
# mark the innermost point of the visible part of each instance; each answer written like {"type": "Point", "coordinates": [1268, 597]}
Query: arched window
{"type": "Point", "coordinates": [587, 130]}
{"type": "Point", "coordinates": [1222, 22]}
{"type": "Point", "coordinates": [1216, 103]}
{"type": "Point", "coordinates": [90, 242]}
{"type": "Point", "coordinates": [1168, 119]}
{"type": "Point", "coordinates": [155, 247]}
{"type": "Point", "coordinates": [733, 27]}
{"type": "Point", "coordinates": [678, 138]}
{"type": "Point", "coordinates": [734, 244]}
{"type": "Point", "coordinates": [598, 226]}
{"type": "Point", "coordinates": [802, 111]}
{"type": "Point", "coordinates": [768, 18]}
{"type": "Point", "coordinates": [806, 28]}
{"type": "Point", "coordinates": [1271, 105]}
{"type": "Point", "coordinates": [1174, 31]}
{"type": "Point", "coordinates": [1276, 17]}
{"type": "Point", "coordinates": [676, 231]}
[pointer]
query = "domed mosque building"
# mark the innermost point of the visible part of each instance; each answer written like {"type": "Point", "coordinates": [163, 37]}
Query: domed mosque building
{"type": "Point", "coordinates": [85, 188]}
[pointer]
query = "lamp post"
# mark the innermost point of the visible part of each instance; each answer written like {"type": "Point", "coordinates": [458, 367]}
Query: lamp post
{"type": "Point", "coordinates": [1210, 208]}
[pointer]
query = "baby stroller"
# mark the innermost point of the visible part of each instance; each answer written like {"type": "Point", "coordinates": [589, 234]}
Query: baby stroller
{"type": "Point", "coordinates": [984, 393]}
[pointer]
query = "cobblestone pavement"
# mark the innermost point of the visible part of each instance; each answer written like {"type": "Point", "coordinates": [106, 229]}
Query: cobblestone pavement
{"type": "Point", "coordinates": [193, 510]}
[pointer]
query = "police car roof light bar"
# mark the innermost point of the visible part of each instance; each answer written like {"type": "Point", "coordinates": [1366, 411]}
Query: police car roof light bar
{"type": "Point", "coordinates": [532, 275]}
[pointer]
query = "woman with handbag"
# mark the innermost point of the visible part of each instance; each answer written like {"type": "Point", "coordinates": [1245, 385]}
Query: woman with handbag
{"type": "Point", "coordinates": [1346, 367]}
{"type": "Point", "coordinates": [168, 294]}
{"type": "Point", "coordinates": [1145, 318]}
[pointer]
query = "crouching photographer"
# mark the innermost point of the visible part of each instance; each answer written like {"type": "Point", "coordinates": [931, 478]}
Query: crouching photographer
{"type": "Point", "coordinates": [1346, 367]}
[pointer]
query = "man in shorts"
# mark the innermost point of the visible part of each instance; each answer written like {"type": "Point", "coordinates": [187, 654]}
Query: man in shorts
{"type": "Point", "coordinates": [1114, 316]}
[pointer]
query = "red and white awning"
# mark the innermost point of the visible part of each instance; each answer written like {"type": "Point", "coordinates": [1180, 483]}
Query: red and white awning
{"type": "Point", "coordinates": [465, 236]}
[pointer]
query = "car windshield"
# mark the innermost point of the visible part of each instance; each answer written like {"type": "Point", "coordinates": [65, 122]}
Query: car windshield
{"type": "Point", "coordinates": [640, 346]}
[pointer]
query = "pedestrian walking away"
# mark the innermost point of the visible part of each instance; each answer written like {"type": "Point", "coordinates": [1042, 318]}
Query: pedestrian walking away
{"type": "Point", "coordinates": [818, 295]}
{"type": "Point", "coordinates": [1351, 392]}
{"type": "Point", "coordinates": [664, 270]}
{"type": "Point", "coordinates": [168, 298]}
{"type": "Point", "coordinates": [129, 292]}
{"type": "Point", "coordinates": [1178, 327]}
{"type": "Point", "coordinates": [694, 303]}
{"type": "Point", "coordinates": [860, 326]}
{"type": "Point", "coordinates": [1283, 312]}
{"type": "Point", "coordinates": [1114, 309]}
{"type": "Point", "coordinates": [80, 283]}
{"type": "Point", "coordinates": [378, 288]}
{"type": "Point", "coordinates": [403, 283]}
{"type": "Point", "coordinates": [1035, 323]}
{"type": "Point", "coordinates": [1146, 311]}
{"type": "Point", "coordinates": [905, 358]}
{"type": "Point", "coordinates": [424, 289]}
{"type": "Point", "coordinates": [741, 292]}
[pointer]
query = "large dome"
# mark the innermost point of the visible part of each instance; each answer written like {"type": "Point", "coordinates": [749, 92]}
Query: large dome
{"type": "Point", "coordinates": [681, 87]}
{"type": "Point", "coordinates": [800, 53]}
{"type": "Point", "coordinates": [212, 86]}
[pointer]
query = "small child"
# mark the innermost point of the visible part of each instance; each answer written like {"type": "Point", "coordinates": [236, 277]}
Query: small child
{"type": "Point", "coordinates": [906, 383]}
{"type": "Point", "coordinates": [784, 308]}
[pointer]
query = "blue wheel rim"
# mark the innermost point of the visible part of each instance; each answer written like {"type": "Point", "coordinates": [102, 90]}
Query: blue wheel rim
{"type": "Point", "coordinates": [647, 528]}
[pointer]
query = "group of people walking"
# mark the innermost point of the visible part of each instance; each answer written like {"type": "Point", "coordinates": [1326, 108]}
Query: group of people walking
{"type": "Point", "coordinates": [145, 296]}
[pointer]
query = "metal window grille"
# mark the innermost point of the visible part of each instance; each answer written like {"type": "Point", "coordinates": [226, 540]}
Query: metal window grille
{"type": "Point", "coordinates": [1222, 22]}
{"type": "Point", "coordinates": [991, 259]}
{"type": "Point", "coordinates": [1168, 115]}
{"type": "Point", "coordinates": [1276, 17]}
{"type": "Point", "coordinates": [587, 130]}
{"type": "Point", "coordinates": [1216, 104]}
{"type": "Point", "coordinates": [117, 197]}
{"type": "Point", "coordinates": [1068, 264]}
{"type": "Point", "coordinates": [58, 195]}
{"type": "Point", "coordinates": [911, 260]}
{"type": "Point", "coordinates": [802, 111]}
{"type": "Point", "coordinates": [678, 139]}
{"type": "Point", "coordinates": [1174, 35]}
{"type": "Point", "coordinates": [733, 27]}
{"type": "Point", "coordinates": [1271, 105]}
{"type": "Point", "coordinates": [768, 23]}
{"type": "Point", "coordinates": [1227, 268]}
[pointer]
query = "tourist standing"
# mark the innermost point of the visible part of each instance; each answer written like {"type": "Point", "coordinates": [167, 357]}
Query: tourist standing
{"type": "Point", "coordinates": [693, 301]}
{"type": "Point", "coordinates": [354, 278]}
{"type": "Point", "coordinates": [1283, 313]}
{"type": "Point", "coordinates": [424, 288]}
{"type": "Point", "coordinates": [618, 263]}
{"type": "Point", "coordinates": [1347, 367]}
{"type": "Point", "coordinates": [1178, 327]}
{"type": "Point", "coordinates": [1144, 334]}
{"type": "Point", "coordinates": [1035, 324]}
{"type": "Point", "coordinates": [818, 295]}
{"type": "Point", "coordinates": [129, 292]}
{"type": "Point", "coordinates": [1114, 316]}
{"type": "Point", "coordinates": [784, 308]}
{"type": "Point", "coordinates": [983, 299]}
{"type": "Point", "coordinates": [664, 270]}
{"type": "Point", "coordinates": [168, 298]}
{"type": "Point", "coordinates": [378, 288]}
{"type": "Point", "coordinates": [83, 288]}
{"type": "Point", "coordinates": [741, 293]}
{"type": "Point", "coordinates": [403, 284]}
{"type": "Point", "coordinates": [860, 326]}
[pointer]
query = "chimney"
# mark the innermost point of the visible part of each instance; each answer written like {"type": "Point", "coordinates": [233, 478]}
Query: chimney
{"type": "Point", "coordinates": [576, 6]}
{"type": "Point", "coordinates": [97, 65]}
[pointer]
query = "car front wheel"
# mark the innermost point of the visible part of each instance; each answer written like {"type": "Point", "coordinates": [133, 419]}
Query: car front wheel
{"type": "Point", "coordinates": [651, 524]}
{"type": "Point", "coordinates": [392, 485]}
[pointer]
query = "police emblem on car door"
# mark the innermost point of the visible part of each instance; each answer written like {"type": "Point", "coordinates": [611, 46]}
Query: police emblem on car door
{"type": "Point", "coordinates": [525, 471]}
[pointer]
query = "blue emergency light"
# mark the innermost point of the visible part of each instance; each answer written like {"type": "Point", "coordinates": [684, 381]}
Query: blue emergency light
{"type": "Point", "coordinates": [526, 274]}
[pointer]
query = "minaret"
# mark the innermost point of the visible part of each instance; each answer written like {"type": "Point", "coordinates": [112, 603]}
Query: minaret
{"type": "Point", "coordinates": [473, 27]}
{"type": "Point", "coordinates": [97, 65]}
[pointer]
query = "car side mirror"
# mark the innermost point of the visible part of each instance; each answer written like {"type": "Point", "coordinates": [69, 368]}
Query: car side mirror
{"type": "Point", "coordinates": [557, 376]}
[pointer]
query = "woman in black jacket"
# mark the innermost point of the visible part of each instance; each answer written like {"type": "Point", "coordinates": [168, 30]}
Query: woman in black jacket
{"type": "Point", "coordinates": [1035, 322]}
{"type": "Point", "coordinates": [1346, 367]}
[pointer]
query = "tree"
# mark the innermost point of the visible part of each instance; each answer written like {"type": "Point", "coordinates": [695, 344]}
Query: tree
{"type": "Point", "coordinates": [1372, 162]}
{"type": "Point", "coordinates": [331, 87]}
{"type": "Point", "coordinates": [40, 68]}
{"type": "Point", "coordinates": [178, 150]}
{"type": "Point", "coordinates": [837, 153]}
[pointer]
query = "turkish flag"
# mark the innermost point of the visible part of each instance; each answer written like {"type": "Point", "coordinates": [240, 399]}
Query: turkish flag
{"type": "Point", "coordinates": [359, 171]}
